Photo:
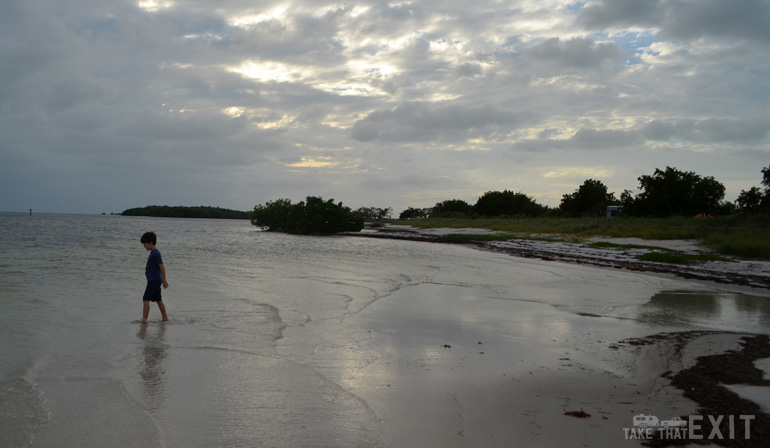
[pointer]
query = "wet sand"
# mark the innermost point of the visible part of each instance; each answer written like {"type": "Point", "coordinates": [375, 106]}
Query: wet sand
{"type": "Point", "coordinates": [582, 392]}
{"type": "Point", "coordinates": [283, 341]}
{"type": "Point", "coordinates": [463, 395]}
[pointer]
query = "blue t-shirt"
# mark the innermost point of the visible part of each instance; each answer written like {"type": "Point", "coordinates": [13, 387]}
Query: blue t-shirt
{"type": "Point", "coordinates": [152, 271]}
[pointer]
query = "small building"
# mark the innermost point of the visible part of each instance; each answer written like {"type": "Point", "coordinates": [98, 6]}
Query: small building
{"type": "Point", "coordinates": [613, 210]}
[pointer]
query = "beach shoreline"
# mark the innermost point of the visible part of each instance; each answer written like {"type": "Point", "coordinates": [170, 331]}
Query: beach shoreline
{"type": "Point", "coordinates": [710, 369]}
{"type": "Point", "coordinates": [588, 398]}
{"type": "Point", "coordinates": [750, 276]}
{"type": "Point", "coordinates": [289, 341]}
{"type": "Point", "coordinates": [592, 398]}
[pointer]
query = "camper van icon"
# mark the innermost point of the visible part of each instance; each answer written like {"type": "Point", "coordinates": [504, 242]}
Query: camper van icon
{"type": "Point", "coordinates": [644, 421]}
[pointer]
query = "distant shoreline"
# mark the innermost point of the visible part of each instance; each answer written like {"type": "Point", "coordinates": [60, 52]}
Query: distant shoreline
{"type": "Point", "coordinates": [205, 212]}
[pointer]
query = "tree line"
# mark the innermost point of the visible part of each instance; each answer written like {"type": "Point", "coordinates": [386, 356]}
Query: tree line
{"type": "Point", "coordinates": [756, 199]}
{"type": "Point", "coordinates": [664, 193]}
{"type": "Point", "coordinates": [165, 211]}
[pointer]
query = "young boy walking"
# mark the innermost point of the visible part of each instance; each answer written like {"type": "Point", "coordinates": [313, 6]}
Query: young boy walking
{"type": "Point", "coordinates": [156, 277]}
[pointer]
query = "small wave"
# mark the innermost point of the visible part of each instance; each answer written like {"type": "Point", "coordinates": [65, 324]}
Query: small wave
{"type": "Point", "coordinates": [22, 411]}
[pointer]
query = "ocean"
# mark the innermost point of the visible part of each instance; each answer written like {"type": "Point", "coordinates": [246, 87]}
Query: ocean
{"type": "Point", "coordinates": [278, 340]}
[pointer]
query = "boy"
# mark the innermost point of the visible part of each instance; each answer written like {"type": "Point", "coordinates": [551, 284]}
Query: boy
{"type": "Point", "coordinates": [156, 277]}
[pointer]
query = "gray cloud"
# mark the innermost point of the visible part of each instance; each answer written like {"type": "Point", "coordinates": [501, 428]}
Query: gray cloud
{"type": "Point", "coordinates": [688, 131]}
{"type": "Point", "coordinates": [709, 130]}
{"type": "Point", "coordinates": [583, 139]}
{"type": "Point", "coordinates": [748, 19]}
{"type": "Point", "coordinates": [575, 53]}
{"type": "Point", "coordinates": [423, 122]}
{"type": "Point", "coordinates": [681, 19]}
{"type": "Point", "coordinates": [107, 105]}
{"type": "Point", "coordinates": [609, 13]}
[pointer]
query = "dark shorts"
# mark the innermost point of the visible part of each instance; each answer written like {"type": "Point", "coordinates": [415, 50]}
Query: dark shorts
{"type": "Point", "coordinates": [152, 293]}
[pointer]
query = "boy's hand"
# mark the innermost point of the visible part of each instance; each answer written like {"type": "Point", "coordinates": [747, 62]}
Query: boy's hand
{"type": "Point", "coordinates": [165, 284]}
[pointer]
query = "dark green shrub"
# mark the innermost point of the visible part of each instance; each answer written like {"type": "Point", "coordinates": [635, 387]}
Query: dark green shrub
{"type": "Point", "coordinates": [273, 216]}
{"type": "Point", "coordinates": [314, 216]}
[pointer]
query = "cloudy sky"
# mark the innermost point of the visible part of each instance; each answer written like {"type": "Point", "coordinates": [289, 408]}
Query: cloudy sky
{"type": "Point", "coordinates": [112, 104]}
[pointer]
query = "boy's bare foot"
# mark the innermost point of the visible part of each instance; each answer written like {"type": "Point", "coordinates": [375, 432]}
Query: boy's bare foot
{"type": "Point", "coordinates": [165, 320]}
{"type": "Point", "coordinates": [144, 321]}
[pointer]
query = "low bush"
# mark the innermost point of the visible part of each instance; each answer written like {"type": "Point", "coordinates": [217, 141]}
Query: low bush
{"type": "Point", "coordinates": [311, 217]}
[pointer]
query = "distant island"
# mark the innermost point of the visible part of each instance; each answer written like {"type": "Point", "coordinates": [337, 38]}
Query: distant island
{"type": "Point", "coordinates": [165, 211]}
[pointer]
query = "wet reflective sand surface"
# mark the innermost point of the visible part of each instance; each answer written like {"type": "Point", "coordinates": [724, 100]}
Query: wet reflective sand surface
{"type": "Point", "coordinates": [284, 341]}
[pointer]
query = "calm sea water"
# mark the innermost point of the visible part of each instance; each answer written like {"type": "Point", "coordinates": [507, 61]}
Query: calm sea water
{"type": "Point", "coordinates": [271, 335]}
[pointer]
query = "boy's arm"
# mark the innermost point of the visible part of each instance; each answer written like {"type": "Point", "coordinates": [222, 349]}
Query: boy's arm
{"type": "Point", "coordinates": [163, 273]}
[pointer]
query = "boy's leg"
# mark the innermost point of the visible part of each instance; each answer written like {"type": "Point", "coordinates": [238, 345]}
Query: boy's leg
{"type": "Point", "coordinates": [163, 311]}
{"type": "Point", "coordinates": [145, 310]}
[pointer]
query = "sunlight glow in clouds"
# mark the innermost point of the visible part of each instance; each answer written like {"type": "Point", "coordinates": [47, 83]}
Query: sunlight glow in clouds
{"type": "Point", "coordinates": [269, 71]}
{"type": "Point", "coordinates": [234, 111]}
{"type": "Point", "coordinates": [244, 21]}
{"type": "Point", "coordinates": [321, 162]}
{"type": "Point", "coordinates": [262, 118]}
{"type": "Point", "coordinates": [281, 123]}
{"type": "Point", "coordinates": [154, 5]}
{"type": "Point", "coordinates": [283, 73]}
{"type": "Point", "coordinates": [578, 172]}
{"type": "Point", "coordinates": [659, 53]}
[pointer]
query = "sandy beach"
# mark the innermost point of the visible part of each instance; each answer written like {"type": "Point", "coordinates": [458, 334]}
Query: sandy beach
{"type": "Point", "coordinates": [468, 393]}
{"type": "Point", "coordinates": [753, 274]}
{"type": "Point", "coordinates": [590, 394]}
{"type": "Point", "coordinates": [284, 341]}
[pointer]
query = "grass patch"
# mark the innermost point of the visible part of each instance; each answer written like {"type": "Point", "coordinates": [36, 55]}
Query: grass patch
{"type": "Point", "coordinates": [607, 245]}
{"type": "Point", "coordinates": [746, 237]}
{"type": "Point", "coordinates": [675, 258]}
{"type": "Point", "coordinates": [748, 244]}
{"type": "Point", "coordinates": [501, 237]}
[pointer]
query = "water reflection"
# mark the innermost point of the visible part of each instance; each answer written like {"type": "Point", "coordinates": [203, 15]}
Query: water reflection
{"type": "Point", "coordinates": [722, 310]}
{"type": "Point", "coordinates": [151, 368]}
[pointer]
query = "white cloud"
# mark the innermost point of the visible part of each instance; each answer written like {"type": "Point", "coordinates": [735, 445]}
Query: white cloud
{"type": "Point", "coordinates": [154, 5]}
{"type": "Point", "coordinates": [577, 173]}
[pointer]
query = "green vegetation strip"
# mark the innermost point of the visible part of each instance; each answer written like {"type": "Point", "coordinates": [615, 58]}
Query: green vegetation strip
{"type": "Point", "coordinates": [606, 245]}
{"type": "Point", "coordinates": [475, 237]}
{"type": "Point", "coordinates": [506, 237]}
{"type": "Point", "coordinates": [664, 257]}
{"type": "Point", "coordinates": [745, 237]}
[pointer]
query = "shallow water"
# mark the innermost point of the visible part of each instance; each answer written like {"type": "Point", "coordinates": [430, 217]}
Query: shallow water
{"type": "Point", "coordinates": [283, 341]}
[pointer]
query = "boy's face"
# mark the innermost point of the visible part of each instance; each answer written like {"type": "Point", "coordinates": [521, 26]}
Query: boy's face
{"type": "Point", "coordinates": [149, 246]}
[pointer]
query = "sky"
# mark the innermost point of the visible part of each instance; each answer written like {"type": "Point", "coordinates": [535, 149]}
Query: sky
{"type": "Point", "coordinates": [110, 104]}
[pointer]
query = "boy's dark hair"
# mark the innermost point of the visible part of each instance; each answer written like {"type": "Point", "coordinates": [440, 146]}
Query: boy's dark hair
{"type": "Point", "coordinates": [149, 237]}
